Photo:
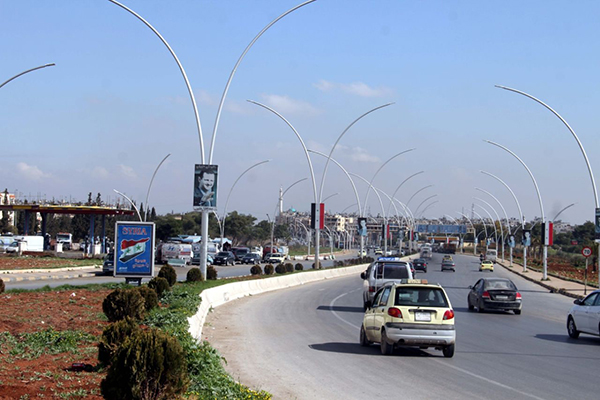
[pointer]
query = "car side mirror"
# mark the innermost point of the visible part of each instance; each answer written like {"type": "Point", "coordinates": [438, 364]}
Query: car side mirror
{"type": "Point", "coordinates": [578, 302]}
{"type": "Point", "coordinates": [369, 304]}
{"type": "Point", "coordinates": [363, 275]}
{"type": "Point", "coordinates": [470, 286]}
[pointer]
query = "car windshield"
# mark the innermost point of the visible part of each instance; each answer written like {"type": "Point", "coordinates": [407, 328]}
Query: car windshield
{"type": "Point", "coordinates": [499, 284]}
{"type": "Point", "coordinates": [392, 271]}
{"type": "Point", "coordinates": [420, 296]}
{"type": "Point", "coordinates": [223, 254]}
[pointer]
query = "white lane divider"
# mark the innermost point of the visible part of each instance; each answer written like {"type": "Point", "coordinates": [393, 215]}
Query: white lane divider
{"type": "Point", "coordinates": [493, 382]}
{"type": "Point", "coordinates": [336, 314]}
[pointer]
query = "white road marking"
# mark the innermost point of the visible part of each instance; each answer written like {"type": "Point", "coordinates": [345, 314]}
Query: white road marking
{"type": "Point", "coordinates": [336, 314]}
{"type": "Point", "coordinates": [464, 371]}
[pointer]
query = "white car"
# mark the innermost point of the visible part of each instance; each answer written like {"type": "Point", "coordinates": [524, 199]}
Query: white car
{"type": "Point", "coordinates": [12, 248]}
{"type": "Point", "coordinates": [584, 316]}
{"type": "Point", "coordinates": [380, 272]}
{"type": "Point", "coordinates": [274, 258]}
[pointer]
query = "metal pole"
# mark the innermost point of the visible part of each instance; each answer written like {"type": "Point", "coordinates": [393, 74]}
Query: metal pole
{"type": "Point", "coordinates": [545, 257]}
{"type": "Point", "coordinates": [24, 72]}
{"type": "Point", "coordinates": [132, 204]}
{"type": "Point", "coordinates": [150, 185]}
{"type": "Point", "coordinates": [499, 221]}
{"type": "Point", "coordinates": [505, 216]}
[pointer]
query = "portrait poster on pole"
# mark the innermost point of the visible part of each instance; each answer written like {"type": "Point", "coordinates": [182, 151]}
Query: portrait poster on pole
{"type": "Point", "coordinates": [205, 186]}
{"type": "Point", "coordinates": [526, 237]}
{"type": "Point", "coordinates": [362, 227]}
{"type": "Point", "coordinates": [134, 249]}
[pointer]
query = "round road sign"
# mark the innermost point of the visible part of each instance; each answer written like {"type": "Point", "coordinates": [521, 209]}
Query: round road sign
{"type": "Point", "coordinates": [586, 251]}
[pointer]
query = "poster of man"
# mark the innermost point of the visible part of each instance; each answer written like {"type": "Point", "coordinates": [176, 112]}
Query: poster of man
{"type": "Point", "coordinates": [526, 237]}
{"type": "Point", "coordinates": [205, 186]}
{"type": "Point", "coordinates": [362, 227]}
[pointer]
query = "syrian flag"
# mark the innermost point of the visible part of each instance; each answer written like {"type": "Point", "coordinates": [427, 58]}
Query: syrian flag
{"type": "Point", "coordinates": [132, 248]}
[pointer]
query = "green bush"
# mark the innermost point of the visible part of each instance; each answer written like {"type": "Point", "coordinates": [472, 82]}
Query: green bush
{"type": "Point", "coordinates": [150, 297]}
{"type": "Point", "coordinates": [211, 273]}
{"type": "Point", "coordinates": [194, 275]}
{"type": "Point", "coordinates": [168, 273]}
{"type": "Point", "coordinates": [280, 268]}
{"type": "Point", "coordinates": [149, 365]}
{"type": "Point", "coordinates": [289, 267]}
{"type": "Point", "coordinates": [159, 285]}
{"type": "Point", "coordinates": [2, 286]}
{"type": "Point", "coordinates": [269, 269]}
{"type": "Point", "coordinates": [256, 270]}
{"type": "Point", "coordinates": [113, 336]}
{"type": "Point", "coordinates": [299, 267]}
{"type": "Point", "coordinates": [121, 303]}
{"type": "Point", "coordinates": [316, 265]}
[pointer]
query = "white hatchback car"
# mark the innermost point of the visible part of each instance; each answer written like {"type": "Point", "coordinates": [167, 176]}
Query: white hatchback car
{"type": "Point", "coordinates": [584, 316]}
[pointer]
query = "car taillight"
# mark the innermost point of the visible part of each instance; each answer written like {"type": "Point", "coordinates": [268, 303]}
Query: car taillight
{"type": "Point", "coordinates": [394, 312]}
{"type": "Point", "coordinates": [518, 296]}
{"type": "Point", "coordinates": [449, 314]}
{"type": "Point", "coordinates": [372, 289]}
{"type": "Point", "coordinates": [485, 294]}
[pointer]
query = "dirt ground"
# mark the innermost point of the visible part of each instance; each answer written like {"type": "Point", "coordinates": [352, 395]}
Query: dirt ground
{"type": "Point", "coordinates": [50, 376]}
{"type": "Point", "coordinates": [14, 262]}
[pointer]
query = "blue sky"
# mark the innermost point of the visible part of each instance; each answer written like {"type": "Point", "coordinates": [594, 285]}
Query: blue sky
{"type": "Point", "coordinates": [115, 103]}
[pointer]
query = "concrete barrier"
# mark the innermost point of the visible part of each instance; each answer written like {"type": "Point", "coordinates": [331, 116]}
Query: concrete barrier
{"type": "Point", "coordinates": [220, 295]}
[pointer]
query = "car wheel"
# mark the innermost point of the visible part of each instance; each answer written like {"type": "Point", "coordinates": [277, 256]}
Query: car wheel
{"type": "Point", "coordinates": [386, 348]}
{"type": "Point", "coordinates": [571, 328]}
{"type": "Point", "coordinates": [363, 337]}
{"type": "Point", "coordinates": [517, 312]}
{"type": "Point", "coordinates": [480, 307]}
{"type": "Point", "coordinates": [365, 306]}
{"type": "Point", "coordinates": [448, 351]}
{"type": "Point", "coordinates": [471, 307]}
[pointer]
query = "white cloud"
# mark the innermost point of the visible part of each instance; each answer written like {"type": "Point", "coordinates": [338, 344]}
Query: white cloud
{"type": "Point", "coordinates": [100, 173]}
{"type": "Point", "coordinates": [361, 155]}
{"type": "Point", "coordinates": [356, 88]}
{"type": "Point", "coordinates": [31, 172]}
{"type": "Point", "coordinates": [288, 106]}
{"type": "Point", "coordinates": [127, 171]}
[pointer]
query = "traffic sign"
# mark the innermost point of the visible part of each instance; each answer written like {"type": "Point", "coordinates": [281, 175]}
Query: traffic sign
{"type": "Point", "coordinates": [586, 251]}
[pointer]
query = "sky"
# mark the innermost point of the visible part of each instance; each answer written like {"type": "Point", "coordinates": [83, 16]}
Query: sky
{"type": "Point", "coordinates": [116, 102]}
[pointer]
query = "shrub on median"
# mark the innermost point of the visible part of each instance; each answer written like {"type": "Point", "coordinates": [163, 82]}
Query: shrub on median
{"type": "Point", "coordinates": [256, 270]}
{"type": "Point", "coordinates": [122, 303]}
{"type": "Point", "coordinates": [159, 285]}
{"type": "Point", "coordinates": [289, 267]}
{"type": "Point", "coordinates": [211, 273]}
{"type": "Point", "coordinates": [2, 286]}
{"type": "Point", "coordinates": [269, 269]}
{"type": "Point", "coordinates": [194, 275]}
{"type": "Point", "coordinates": [299, 267]}
{"type": "Point", "coordinates": [168, 272]}
{"type": "Point", "coordinates": [280, 269]}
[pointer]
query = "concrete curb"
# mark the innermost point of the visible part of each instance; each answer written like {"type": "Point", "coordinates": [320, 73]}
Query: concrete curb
{"type": "Point", "coordinates": [220, 295]}
{"type": "Point", "coordinates": [47, 271]}
{"type": "Point", "coordinates": [46, 277]}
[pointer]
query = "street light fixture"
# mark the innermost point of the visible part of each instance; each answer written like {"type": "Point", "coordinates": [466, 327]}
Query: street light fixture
{"type": "Point", "coordinates": [545, 256]}
{"type": "Point", "coordinates": [499, 222]}
{"type": "Point", "coordinates": [130, 202]}
{"type": "Point", "coordinates": [507, 223]}
{"type": "Point", "coordinates": [150, 185]}
{"type": "Point", "coordinates": [24, 72]}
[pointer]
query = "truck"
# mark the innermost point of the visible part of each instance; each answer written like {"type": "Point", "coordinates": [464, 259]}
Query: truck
{"type": "Point", "coordinates": [66, 239]}
{"type": "Point", "coordinates": [168, 251]}
{"type": "Point", "coordinates": [31, 243]}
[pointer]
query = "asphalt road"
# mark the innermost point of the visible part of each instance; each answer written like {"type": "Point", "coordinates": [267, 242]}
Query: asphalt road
{"type": "Point", "coordinates": [303, 343]}
{"type": "Point", "coordinates": [98, 277]}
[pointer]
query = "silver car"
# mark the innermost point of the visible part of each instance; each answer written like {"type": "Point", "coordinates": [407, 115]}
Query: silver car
{"type": "Point", "coordinates": [381, 271]}
{"type": "Point", "coordinates": [584, 316]}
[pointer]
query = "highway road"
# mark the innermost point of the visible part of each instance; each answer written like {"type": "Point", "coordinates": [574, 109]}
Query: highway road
{"type": "Point", "coordinates": [98, 277]}
{"type": "Point", "coordinates": [302, 343]}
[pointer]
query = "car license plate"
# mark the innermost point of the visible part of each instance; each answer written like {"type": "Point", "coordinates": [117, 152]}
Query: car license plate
{"type": "Point", "coordinates": [502, 297]}
{"type": "Point", "coordinates": [422, 316]}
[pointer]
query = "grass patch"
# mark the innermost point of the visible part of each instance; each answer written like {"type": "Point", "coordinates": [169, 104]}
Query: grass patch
{"type": "Point", "coordinates": [48, 341]}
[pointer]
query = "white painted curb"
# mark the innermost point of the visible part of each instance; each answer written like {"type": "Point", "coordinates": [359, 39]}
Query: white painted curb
{"type": "Point", "coordinates": [220, 295]}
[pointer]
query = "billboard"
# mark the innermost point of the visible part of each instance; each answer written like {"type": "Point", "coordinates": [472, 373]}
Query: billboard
{"type": "Point", "coordinates": [526, 237]}
{"type": "Point", "coordinates": [205, 186]}
{"type": "Point", "coordinates": [134, 249]}
{"type": "Point", "coordinates": [442, 229]}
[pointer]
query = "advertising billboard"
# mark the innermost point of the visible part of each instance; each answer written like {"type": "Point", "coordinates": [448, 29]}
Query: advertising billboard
{"type": "Point", "coordinates": [362, 227]}
{"type": "Point", "coordinates": [134, 249]}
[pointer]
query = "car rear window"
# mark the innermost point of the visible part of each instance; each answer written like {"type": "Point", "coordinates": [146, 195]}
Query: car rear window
{"type": "Point", "coordinates": [392, 271]}
{"type": "Point", "coordinates": [420, 296]}
{"type": "Point", "coordinates": [498, 284]}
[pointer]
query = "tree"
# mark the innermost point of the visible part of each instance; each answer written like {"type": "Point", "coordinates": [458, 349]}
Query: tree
{"type": "Point", "coordinates": [239, 227]}
{"type": "Point", "coordinates": [98, 200]}
{"type": "Point", "coordinates": [282, 232]}
{"type": "Point", "coordinates": [262, 231]}
{"type": "Point", "coordinates": [153, 214]}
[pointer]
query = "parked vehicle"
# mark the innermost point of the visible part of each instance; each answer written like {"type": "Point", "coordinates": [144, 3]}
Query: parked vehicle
{"type": "Point", "coordinates": [495, 294]}
{"type": "Point", "coordinates": [239, 253]}
{"type": "Point", "coordinates": [66, 239]}
{"type": "Point", "coordinates": [167, 251]}
{"type": "Point", "coordinates": [108, 266]}
{"type": "Point", "coordinates": [12, 248]}
{"type": "Point", "coordinates": [196, 259]}
{"type": "Point", "coordinates": [31, 243]}
{"type": "Point", "coordinates": [224, 258]}
{"type": "Point", "coordinates": [274, 258]}
{"type": "Point", "coordinates": [381, 271]}
{"type": "Point", "coordinates": [584, 316]}
{"type": "Point", "coordinates": [251, 258]}
{"type": "Point", "coordinates": [410, 314]}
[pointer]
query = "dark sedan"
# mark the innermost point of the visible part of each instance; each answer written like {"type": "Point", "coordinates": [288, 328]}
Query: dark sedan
{"type": "Point", "coordinates": [251, 258]}
{"type": "Point", "coordinates": [224, 258]}
{"type": "Point", "coordinates": [448, 264]}
{"type": "Point", "coordinates": [494, 294]}
{"type": "Point", "coordinates": [420, 264]}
